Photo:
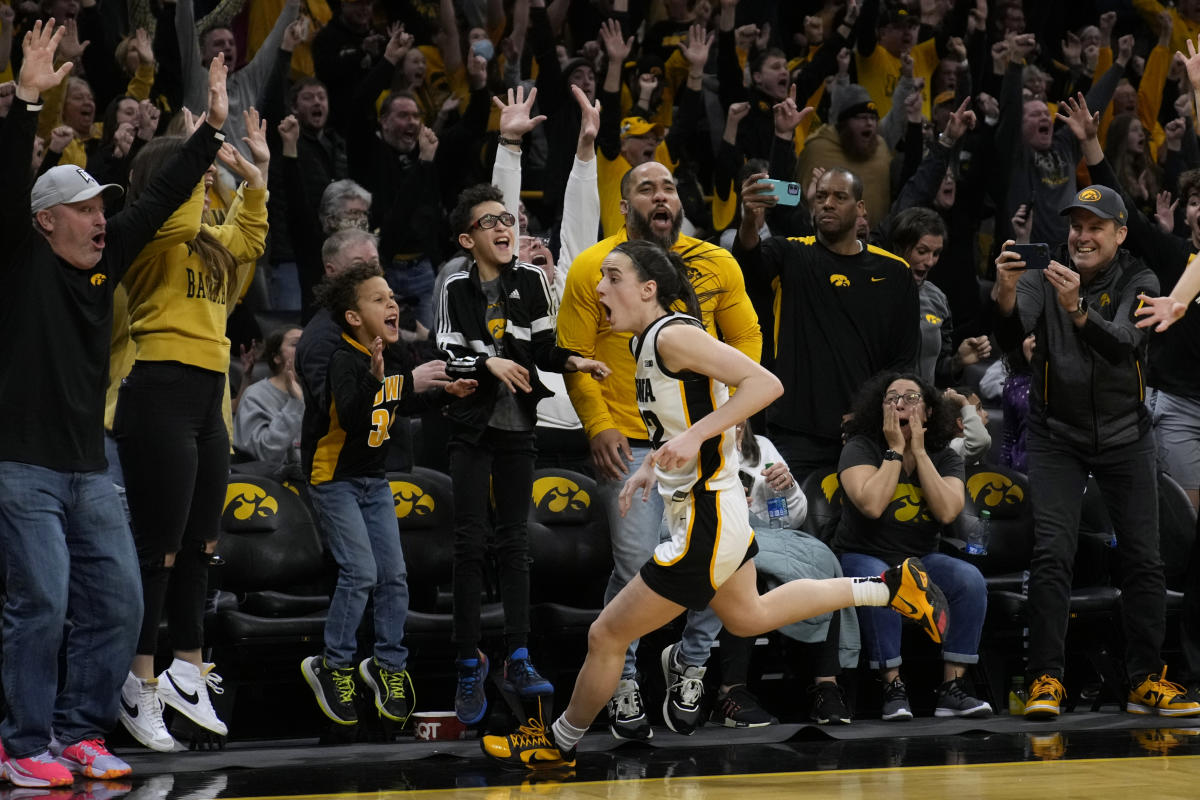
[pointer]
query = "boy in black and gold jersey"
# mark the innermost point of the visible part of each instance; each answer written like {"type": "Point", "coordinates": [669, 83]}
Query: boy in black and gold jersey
{"type": "Point", "coordinates": [343, 452]}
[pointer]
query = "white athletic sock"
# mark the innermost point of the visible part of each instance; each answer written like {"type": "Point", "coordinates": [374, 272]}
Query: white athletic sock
{"type": "Point", "coordinates": [869, 591]}
{"type": "Point", "coordinates": [566, 735]}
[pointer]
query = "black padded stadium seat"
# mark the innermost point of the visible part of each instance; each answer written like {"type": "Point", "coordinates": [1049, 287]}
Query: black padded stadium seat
{"type": "Point", "coordinates": [1176, 530]}
{"type": "Point", "coordinates": [824, 495]}
{"type": "Point", "coordinates": [1004, 493]}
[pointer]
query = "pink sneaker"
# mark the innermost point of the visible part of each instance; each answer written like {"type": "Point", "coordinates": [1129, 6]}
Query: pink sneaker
{"type": "Point", "coordinates": [34, 772]}
{"type": "Point", "coordinates": [91, 758]}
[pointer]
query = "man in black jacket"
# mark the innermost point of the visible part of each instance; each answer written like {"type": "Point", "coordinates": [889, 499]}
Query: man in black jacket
{"type": "Point", "coordinates": [67, 546]}
{"type": "Point", "coordinates": [1088, 416]}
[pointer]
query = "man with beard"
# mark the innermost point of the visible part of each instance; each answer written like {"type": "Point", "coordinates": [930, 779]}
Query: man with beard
{"type": "Point", "coordinates": [845, 310]}
{"type": "Point", "coordinates": [652, 210]}
{"type": "Point", "coordinates": [852, 142]}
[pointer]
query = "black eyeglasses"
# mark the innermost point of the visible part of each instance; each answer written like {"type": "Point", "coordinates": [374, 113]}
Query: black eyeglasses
{"type": "Point", "coordinates": [911, 398]}
{"type": "Point", "coordinates": [488, 221]}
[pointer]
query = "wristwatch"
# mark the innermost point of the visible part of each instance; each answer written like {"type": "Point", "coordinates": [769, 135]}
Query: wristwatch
{"type": "Point", "coordinates": [1082, 308]}
{"type": "Point", "coordinates": [892, 455]}
{"type": "Point", "coordinates": [506, 140]}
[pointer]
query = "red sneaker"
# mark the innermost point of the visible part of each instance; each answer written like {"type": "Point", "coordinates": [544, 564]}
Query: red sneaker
{"type": "Point", "coordinates": [35, 771]}
{"type": "Point", "coordinates": [92, 759]}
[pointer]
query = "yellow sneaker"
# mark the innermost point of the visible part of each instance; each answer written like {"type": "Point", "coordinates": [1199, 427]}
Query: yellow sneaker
{"type": "Point", "coordinates": [917, 598]}
{"type": "Point", "coordinates": [1045, 698]}
{"type": "Point", "coordinates": [1157, 695]}
{"type": "Point", "coordinates": [531, 746]}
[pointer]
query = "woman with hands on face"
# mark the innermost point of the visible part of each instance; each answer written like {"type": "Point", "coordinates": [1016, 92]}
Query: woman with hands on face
{"type": "Point", "coordinates": [903, 485]}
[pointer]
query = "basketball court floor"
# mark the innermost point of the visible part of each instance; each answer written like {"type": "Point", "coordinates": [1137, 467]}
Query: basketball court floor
{"type": "Point", "coordinates": [1106, 754]}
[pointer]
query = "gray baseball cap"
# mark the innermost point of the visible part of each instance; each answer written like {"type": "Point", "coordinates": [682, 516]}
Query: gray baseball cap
{"type": "Point", "coordinates": [66, 184]}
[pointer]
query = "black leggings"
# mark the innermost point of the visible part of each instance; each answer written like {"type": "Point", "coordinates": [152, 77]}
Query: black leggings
{"type": "Point", "coordinates": [174, 450]}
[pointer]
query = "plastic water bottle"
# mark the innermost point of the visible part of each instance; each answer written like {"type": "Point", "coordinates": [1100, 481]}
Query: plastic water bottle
{"type": "Point", "coordinates": [1017, 697]}
{"type": "Point", "coordinates": [977, 539]}
{"type": "Point", "coordinates": [777, 506]}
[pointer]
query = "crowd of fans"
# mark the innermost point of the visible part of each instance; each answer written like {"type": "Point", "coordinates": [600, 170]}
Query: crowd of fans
{"type": "Point", "coordinates": [482, 158]}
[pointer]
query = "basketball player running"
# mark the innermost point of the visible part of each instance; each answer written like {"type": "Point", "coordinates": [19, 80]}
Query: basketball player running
{"type": "Point", "coordinates": [682, 377]}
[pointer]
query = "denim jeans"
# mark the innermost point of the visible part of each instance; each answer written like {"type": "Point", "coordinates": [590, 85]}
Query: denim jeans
{"type": "Point", "coordinates": [68, 555]}
{"type": "Point", "coordinates": [359, 518]}
{"type": "Point", "coordinates": [966, 594]}
{"type": "Point", "coordinates": [413, 280]}
{"type": "Point", "coordinates": [634, 538]}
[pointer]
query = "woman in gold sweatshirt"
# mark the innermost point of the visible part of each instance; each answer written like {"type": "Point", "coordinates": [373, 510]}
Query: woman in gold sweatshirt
{"type": "Point", "coordinates": [171, 436]}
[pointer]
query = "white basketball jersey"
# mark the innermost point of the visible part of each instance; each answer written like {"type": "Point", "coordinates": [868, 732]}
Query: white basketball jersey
{"type": "Point", "coordinates": [671, 402]}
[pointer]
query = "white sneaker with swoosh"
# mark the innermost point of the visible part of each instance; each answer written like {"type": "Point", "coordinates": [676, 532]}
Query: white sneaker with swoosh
{"type": "Point", "coordinates": [185, 688]}
{"type": "Point", "coordinates": [140, 712]}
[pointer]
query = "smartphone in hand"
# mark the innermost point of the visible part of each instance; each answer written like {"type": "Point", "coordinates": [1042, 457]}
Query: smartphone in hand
{"type": "Point", "coordinates": [1035, 255]}
{"type": "Point", "coordinates": [787, 193]}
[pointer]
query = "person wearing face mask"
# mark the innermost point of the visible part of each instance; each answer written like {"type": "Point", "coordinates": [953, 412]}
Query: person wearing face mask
{"type": "Point", "coordinates": [1088, 417]}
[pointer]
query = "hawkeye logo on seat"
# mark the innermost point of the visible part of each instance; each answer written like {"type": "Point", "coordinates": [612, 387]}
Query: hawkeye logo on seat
{"type": "Point", "coordinates": [556, 494]}
{"type": "Point", "coordinates": [993, 490]}
{"type": "Point", "coordinates": [838, 279]}
{"type": "Point", "coordinates": [246, 501]}
{"type": "Point", "coordinates": [411, 500]}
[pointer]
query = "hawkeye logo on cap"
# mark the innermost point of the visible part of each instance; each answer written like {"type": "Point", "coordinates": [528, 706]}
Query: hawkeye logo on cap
{"type": "Point", "coordinates": [98, 279]}
{"type": "Point", "coordinates": [410, 500]}
{"type": "Point", "coordinates": [1089, 195]}
{"type": "Point", "coordinates": [245, 500]}
{"type": "Point", "coordinates": [839, 280]}
{"type": "Point", "coordinates": [557, 494]}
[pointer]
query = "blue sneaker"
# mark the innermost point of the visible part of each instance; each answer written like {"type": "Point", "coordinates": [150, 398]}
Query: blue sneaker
{"type": "Point", "coordinates": [521, 677]}
{"type": "Point", "coordinates": [470, 699]}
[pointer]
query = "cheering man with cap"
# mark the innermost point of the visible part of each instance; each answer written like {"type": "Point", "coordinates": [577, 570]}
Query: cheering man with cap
{"type": "Point", "coordinates": [68, 553]}
{"type": "Point", "coordinates": [1088, 416]}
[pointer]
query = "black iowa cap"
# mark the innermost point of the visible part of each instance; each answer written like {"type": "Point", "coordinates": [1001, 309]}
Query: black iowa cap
{"type": "Point", "coordinates": [1101, 201]}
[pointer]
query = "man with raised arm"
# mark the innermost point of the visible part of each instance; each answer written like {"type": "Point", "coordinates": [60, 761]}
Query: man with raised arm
{"type": "Point", "coordinates": [68, 552]}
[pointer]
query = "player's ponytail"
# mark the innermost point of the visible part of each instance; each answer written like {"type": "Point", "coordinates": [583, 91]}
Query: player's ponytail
{"type": "Point", "coordinates": [667, 270]}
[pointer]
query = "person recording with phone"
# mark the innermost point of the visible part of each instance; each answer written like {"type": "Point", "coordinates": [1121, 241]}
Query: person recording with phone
{"type": "Point", "coordinates": [1089, 416]}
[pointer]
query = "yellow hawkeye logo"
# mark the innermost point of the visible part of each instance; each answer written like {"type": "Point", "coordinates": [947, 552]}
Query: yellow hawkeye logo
{"type": "Point", "coordinates": [98, 279]}
{"type": "Point", "coordinates": [839, 280]}
{"type": "Point", "coordinates": [411, 500]}
{"type": "Point", "coordinates": [557, 495]}
{"type": "Point", "coordinates": [245, 500]}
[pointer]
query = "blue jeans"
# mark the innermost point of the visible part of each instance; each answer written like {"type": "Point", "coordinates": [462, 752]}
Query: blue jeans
{"type": "Point", "coordinates": [68, 555]}
{"type": "Point", "coordinates": [413, 280]}
{"type": "Point", "coordinates": [359, 519]}
{"type": "Point", "coordinates": [634, 538]}
{"type": "Point", "coordinates": [966, 593]}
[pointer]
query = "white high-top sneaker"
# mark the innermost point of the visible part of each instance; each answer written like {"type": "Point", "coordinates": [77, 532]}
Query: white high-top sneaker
{"type": "Point", "coordinates": [141, 714]}
{"type": "Point", "coordinates": [184, 687]}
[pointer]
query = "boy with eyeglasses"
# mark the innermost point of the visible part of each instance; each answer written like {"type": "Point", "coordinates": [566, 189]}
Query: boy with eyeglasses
{"type": "Point", "coordinates": [496, 324]}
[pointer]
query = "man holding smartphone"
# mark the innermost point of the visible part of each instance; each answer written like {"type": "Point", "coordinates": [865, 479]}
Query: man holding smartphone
{"type": "Point", "coordinates": [1088, 416]}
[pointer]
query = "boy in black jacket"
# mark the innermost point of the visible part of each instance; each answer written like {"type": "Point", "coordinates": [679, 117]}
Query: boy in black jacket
{"type": "Point", "coordinates": [343, 449]}
{"type": "Point", "coordinates": [497, 323]}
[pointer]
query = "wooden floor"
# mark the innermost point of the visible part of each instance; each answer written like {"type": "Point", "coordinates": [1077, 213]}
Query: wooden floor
{"type": "Point", "coordinates": [1157, 778]}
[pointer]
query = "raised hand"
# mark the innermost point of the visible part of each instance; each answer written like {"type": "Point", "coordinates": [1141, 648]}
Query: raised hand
{"type": "Point", "coordinates": [218, 94]}
{"type": "Point", "coordinates": [1124, 50]}
{"type": "Point", "coordinates": [843, 61]}
{"type": "Point", "coordinates": [1108, 21]}
{"type": "Point", "coordinates": [122, 140]}
{"type": "Point", "coordinates": [289, 135]}
{"type": "Point", "coordinates": [398, 44]}
{"type": "Point", "coordinates": [1082, 122]}
{"type": "Point", "coordinates": [787, 116]}
{"type": "Point", "coordinates": [294, 34]}
{"type": "Point", "coordinates": [238, 165]}
{"type": "Point", "coordinates": [589, 117]}
{"type": "Point", "coordinates": [1165, 26]}
{"type": "Point", "coordinates": [60, 137]}
{"type": "Point", "coordinates": [37, 67]}
{"type": "Point", "coordinates": [696, 48]}
{"type": "Point", "coordinates": [515, 115]}
{"type": "Point", "coordinates": [913, 105]}
{"type": "Point", "coordinates": [745, 36]}
{"type": "Point", "coordinates": [427, 143]}
{"type": "Point", "coordinates": [1192, 63]}
{"type": "Point", "coordinates": [477, 71]}
{"type": "Point", "coordinates": [973, 350]}
{"type": "Point", "coordinates": [960, 121]}
{"type": "Point", "coordinates": [70, 48]}
{"type": "Point", "coordinates": [1072, 50]}
{"type": "Point", "coordinates": [256, 138]}
{"type": "Point", "coordinates": [377, 358]}
{"type": "Point", "coordinates": [142, 46]}
{"type": "Point", "coordinates": [616, 45]}
{"type": "Point", "coordinates": [1164, 212]}
{"type": "Point", "coordinates": [1022, 223]}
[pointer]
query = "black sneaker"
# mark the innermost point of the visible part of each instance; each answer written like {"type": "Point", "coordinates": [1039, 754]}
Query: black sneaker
{"type": "Point", "coordinates": [685, 692]}
{"type": "Point", "coordinates": [470, 698]}
{"type": "Point", "coordinates": [895, 702]}
{"type": "Point", "coordinates": [954, 701]}
{"type": "Point", "coordinates": [828, 704]}
{"type": "Point", "coordinates": [394, 696]}
{"type": "Point", "coordinates": [627, 713]}
{"type": "Point", "coordinates": [739, 708]}
{"type": "Point", "coordinates": [522, 678]}
{"type": "Point", "coordinates": [333, 687]}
